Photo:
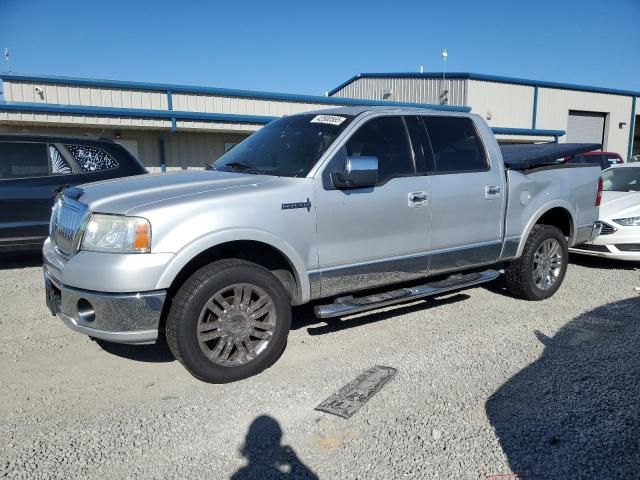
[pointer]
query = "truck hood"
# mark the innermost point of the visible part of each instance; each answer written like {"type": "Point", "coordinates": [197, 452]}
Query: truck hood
{"type": "Point", "coordinates": [123, 194]}
{"type": "Point", "coordinates": [619, 205]}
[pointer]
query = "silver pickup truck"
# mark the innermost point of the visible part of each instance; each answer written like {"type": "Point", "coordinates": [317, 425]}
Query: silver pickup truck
{"type": "Point", "coordinates": [359, 207]}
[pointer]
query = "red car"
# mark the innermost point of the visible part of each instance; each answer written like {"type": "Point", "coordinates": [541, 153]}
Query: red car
{"type": "Point", "coordinates": [604, 159]}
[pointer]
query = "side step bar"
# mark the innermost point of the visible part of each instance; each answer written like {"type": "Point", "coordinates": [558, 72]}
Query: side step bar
{"type": "Point", "coordinates": [350, 305]}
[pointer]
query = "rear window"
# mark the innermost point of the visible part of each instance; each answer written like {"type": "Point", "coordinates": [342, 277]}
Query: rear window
{"type": "Point", "coordinates": [456, 146]}
{"type": "Point", "coordinates": [23, 160]}
{"type": "Point", "coordinates": [91, 159]}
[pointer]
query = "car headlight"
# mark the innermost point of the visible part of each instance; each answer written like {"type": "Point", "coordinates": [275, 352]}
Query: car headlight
{"type": "Point", "coordinates": [117, 234]}
{"type": "Point", "coordinates": [628, 222]}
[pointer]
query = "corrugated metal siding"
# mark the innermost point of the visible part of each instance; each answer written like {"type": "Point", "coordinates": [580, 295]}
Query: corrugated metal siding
{"type": "Point", "coordinates": [421, 90]}
{"type": "Point", "coordinates": [183, 150]}
{"type": "Point", "coordinates": [217, 126]}
{"type": "Point", "coordinates": [85, 120]}
{"type": "Point", "coordinates": [509, 105]}
{"type": "Point", "coordinates": [198, 102]}
{"type": "Point", "coordinates": [193, 150]}
{"type": "Point", "coordinates": [80, 95]}
{"type": "Point", "coordinates": [114, 97]}
{"type": "Point", "coordinates": [554, 106]}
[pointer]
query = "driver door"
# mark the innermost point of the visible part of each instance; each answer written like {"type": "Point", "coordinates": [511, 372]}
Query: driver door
{"type": "Point", "coordinates": [376, 235]}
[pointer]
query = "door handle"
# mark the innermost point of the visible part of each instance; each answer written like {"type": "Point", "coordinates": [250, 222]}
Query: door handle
{"type": "Point", "coordinates": [492, 191]}
{"type": "Point", "coordinates": [418, 199]}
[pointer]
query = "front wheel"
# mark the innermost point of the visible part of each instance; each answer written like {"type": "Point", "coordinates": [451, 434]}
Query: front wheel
{"type": "Point", "coordinates": [539, 272]}
{"type": "Point", "coordinates": [229, 321]}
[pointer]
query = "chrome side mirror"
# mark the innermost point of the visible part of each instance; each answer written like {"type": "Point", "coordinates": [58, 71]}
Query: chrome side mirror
{"type": "Point", "coordinates": [359, 172]}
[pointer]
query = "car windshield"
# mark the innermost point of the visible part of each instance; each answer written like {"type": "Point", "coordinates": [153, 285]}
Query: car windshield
{"type": "Point", "coordinates": [626, 179]}
{"type": "Point", "coordinates": [287, 147]}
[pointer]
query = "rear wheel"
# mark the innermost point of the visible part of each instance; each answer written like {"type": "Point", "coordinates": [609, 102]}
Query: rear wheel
{"type": "Point", "coordinates": [229, 321]}
{"type": "Point", "coordinates": [539, 272]}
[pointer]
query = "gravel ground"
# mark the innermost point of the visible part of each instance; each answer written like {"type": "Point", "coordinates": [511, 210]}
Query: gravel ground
{"type": "Point", "coordinates": [486, 385]}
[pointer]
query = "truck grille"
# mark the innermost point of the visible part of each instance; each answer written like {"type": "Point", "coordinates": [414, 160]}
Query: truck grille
{"type": "Point", "coordinates": [66, 220]}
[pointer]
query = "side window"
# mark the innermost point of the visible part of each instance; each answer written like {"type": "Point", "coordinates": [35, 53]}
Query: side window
{"type": "Point", "coordinates": [421, 145]}
{"type": "Point", "coordinates": [23, 160]}
{"type": "Point", "coordinates": [91, 159]}
{"type": "Point", "coordinates": [386, 139]}
{"type": "Point", "coordinates": [456, 146]}
{"type": "Point", "coordinates": [59, 166]}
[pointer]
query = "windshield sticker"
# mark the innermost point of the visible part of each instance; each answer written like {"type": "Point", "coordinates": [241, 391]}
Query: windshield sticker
{"type": "Point", "coordinates": [328, 119]}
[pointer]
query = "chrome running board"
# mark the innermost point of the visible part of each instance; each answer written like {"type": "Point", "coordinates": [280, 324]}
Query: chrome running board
{"type": "Point", "coordinates": [350, 305]}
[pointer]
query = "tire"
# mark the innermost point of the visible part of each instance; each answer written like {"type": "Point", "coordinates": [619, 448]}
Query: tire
{"type": "Point", "coordinates": [197, 322]}
{"type": "Point", "coordinates": [522, 277]}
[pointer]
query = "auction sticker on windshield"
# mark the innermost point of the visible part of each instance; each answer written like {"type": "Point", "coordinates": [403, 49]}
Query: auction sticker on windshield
{"type": "Point", "coordinates": [328, 119]}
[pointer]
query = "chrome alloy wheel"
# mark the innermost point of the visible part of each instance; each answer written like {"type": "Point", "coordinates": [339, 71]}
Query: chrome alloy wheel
{"type": "Point", "coordinates": [236, 324]}
{"type": "Point", "coordinates": [547, 264]}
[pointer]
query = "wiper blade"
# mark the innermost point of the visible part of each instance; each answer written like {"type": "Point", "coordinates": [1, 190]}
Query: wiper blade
{"type": "Point", "coordinates": [240, 167]}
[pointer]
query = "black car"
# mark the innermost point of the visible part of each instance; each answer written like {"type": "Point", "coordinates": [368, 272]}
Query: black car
{"type": "Point", "coordinates": [34, 167]}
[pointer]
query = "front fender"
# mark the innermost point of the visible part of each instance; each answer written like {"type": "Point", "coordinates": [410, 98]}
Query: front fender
{"type": "Point", "coordinates": [193, 249]}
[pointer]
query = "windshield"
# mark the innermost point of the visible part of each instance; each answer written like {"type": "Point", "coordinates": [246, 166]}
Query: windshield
{"type": "Point", "coordinates": [625, 179]}
{"type": "Point", "coordinates": [287, 147]}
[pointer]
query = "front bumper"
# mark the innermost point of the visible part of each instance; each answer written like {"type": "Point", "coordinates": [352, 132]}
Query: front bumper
{"type": "Point", "coordinates": [131, 318]}
{"type": "Point", "coordinates": [623, 243]}
{"type": "Point", "coordinates": [606, 251]}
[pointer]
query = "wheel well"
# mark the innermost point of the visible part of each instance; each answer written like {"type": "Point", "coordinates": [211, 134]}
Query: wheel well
{"type": "Point", "coordinates": [560, 218]}
{"type": "Point", "coordinates": [256, 252]}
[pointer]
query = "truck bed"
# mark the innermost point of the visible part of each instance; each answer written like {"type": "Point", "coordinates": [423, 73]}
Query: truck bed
{"type": "Point", "coordinates": [529, 156]}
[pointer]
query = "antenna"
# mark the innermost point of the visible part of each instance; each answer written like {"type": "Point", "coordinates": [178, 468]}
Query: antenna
{"type": "Point", "coordinates": [421, 68]}
{"type": "Point", "coordinates": [6, 59]}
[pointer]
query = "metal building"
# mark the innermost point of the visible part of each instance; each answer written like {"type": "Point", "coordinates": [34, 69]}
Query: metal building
{"type": "Point", "coordinates": [587, 114]}
{"type": "Point", "coordinates": [186, 126]}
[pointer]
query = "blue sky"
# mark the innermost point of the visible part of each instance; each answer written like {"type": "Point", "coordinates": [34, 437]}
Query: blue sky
{"type": "Point", "coordinates": [311, 47]}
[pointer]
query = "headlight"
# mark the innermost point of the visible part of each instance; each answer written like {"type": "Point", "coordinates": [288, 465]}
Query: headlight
{"type": "Point", "coordinates": [628, 222]}
{"type": "Point", "coordinates": [117, 234]}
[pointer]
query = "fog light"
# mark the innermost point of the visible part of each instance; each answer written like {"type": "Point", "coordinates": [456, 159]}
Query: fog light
{"type": "Point", "coordinates": [86, 313]}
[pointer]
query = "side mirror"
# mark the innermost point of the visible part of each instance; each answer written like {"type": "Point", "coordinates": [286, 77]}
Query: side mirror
{"type": "Point", "coordinates": [358, 172]}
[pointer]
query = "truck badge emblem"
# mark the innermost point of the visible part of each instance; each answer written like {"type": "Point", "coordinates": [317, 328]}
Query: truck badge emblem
{"type": "Point", "coordinates": [290, 206]}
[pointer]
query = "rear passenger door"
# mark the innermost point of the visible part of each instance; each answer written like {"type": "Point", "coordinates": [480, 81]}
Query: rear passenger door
{"type": "Point", "coordinates": [467, 196]}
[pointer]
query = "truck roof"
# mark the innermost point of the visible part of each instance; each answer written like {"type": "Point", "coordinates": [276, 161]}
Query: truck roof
{"type": "Point", "coordinates": [357, 110]}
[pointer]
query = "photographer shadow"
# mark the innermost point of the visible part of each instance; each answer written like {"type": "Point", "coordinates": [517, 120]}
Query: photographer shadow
{"type": "Point", "coordinates": [266, 457]}
{"type": "Point", "coordinates": [573, 413]}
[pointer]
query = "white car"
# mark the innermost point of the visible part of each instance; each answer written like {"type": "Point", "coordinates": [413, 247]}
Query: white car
{"type": "Point", "coordinates": [619, 214]}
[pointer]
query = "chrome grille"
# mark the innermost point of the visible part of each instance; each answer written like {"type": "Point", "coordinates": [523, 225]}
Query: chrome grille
{"type": "Point", "coordinates": [607, 229]}
{"type": "Point", "coordinates": [66, 220]}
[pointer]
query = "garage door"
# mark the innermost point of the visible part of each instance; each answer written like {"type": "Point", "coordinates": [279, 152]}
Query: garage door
{"type": "Point", "coordinates": [585, 127]}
